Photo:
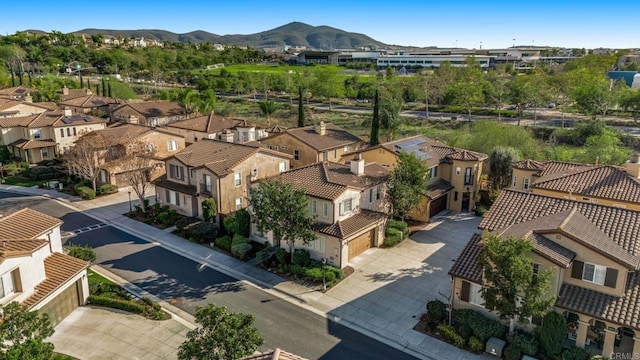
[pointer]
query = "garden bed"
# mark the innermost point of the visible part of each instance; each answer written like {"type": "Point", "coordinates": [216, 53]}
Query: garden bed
{"type": "Point", "coordinates": [158, 216]}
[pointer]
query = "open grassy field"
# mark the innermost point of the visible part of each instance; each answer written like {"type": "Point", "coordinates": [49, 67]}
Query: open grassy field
{"type": "Point", "coordinates": [274, 69]}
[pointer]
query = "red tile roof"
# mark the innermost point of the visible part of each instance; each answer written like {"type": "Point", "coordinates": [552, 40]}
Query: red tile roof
{"type": "Point", "coordinates": [210, 123]}
{"type": "Point", "coordinates": [26, 224]}
{"type": "Point", "coordinates": [334, 137]}
{"type": "Point", "coordinates": [344, 229]}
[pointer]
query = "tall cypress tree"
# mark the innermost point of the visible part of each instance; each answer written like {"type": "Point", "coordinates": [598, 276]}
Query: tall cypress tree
{"type": "Point", "coordinates": [375, 122]}
{"type": "Point", "coordinates": [98, 89]}
{"type": "Point", "coordinates": [104, 88]}
{"type": "Point", "coordinates": [88, 85]}
{"type": "Point", "coordinates": [81, 81]}
{"type": "Point", "coordinates": [300, 108]}
{"type": "Point", "coordinates": [109, 89]}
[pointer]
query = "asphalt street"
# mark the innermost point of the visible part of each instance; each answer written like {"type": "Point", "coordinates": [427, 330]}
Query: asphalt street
{"type": "Point", "coordinates": [187, 284]}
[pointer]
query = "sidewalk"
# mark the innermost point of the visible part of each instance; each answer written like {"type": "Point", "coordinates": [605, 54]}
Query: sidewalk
{"type": "Point", "coordinates": [110, 209]}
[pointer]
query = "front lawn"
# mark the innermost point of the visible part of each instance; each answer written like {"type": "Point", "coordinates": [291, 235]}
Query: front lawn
{"type": "Point", "coordinates": [18, 180]}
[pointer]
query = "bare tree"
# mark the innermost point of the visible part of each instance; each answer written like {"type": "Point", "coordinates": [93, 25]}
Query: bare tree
{"type": "Point", "coordinates": [86, 157]}
{"type": "Point", "coordinates": [136, 167]}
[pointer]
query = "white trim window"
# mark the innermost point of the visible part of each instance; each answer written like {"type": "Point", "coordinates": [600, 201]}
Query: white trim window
{"type": "Point", "coordinates": [172, 145]}
{"type": "Point", "coordinates": [316, 245]}
{"type": "Point", "coordinates": [237, 179]}
{"type": "Point", "coordinates": [345, 149]}
{"type": "Point", "coordinates": [296, 154]}
{"type": "Point", "coordinates": [346, 206]}
{"type": "Point", "coordinates": [314, 207]}
{"type": "Point", "coordinates": [475, 296]}
{"type": "Point", "coordinates": [594, 273]}
{"type": "Point", "coordinates": [36, 133]}
{"type": "Point", "coordinates": [172, 197]}
{"type": "Point", "coordinates": [282, 166]}
{"type": "Point", "coordinates": [325, 210]}
{"type": "Point", "coordinates": [7, 286]}
{"type": "Point", "coordinates": [44, 152]}
{"type": "Point", "coordinates": [238, 203]}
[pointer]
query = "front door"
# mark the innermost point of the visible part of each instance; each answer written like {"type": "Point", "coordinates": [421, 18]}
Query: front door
{"type": "Point", "coordinates": [466, 199]}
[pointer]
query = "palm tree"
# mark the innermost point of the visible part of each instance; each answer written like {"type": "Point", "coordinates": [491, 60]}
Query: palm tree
{"type": "Point", "coordinates": [207, 102]}
{"type": "Point", "coordinates": [268, 107]}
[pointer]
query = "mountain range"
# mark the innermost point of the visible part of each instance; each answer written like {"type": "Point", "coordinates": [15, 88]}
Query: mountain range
{"type": "Point", "coordinates": [293, 34]}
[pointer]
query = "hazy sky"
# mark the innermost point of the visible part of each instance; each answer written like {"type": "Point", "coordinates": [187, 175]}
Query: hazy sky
{"type": "Point", "coordinates": [443, 23]}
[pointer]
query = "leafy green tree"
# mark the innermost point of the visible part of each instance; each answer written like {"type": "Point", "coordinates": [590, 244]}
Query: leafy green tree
{"type": "Point", "coordinates": [552, 334]}
{"type": "Point", "coordinates": [81, 252]}
{"type": "Point", "coordinates": [375, 121]}
{"type": "Point", "coordinates": [220, 336]}
{"type": "Point", "coordinates": [485, 135]}
{"type": "Point", "coordinates": [22, 334]}
{"type": "Point", "coordinates": [591, 92]}
{"type": "Point", "coordinates": [268, 108]}
{"type": "Point", "coordinates": [500, 170]}
{"type": "Point", "coordinates": [407, 184]}
{"type": "Point", "coordinates": [468, 90]}
{"type": "Point", "coordinates": [520, 93]}
{"type": "Point", "coordinates": [300, 107]}
{"type": "Point", "coordinates": [327, 84]}
{"type": "Point", "coordinates": [283, 209]}
{"type": "Point", "coordinates": [605, 148]}
{"type": "Point", "coordinates": [390, 105]}
{"type": "Point", "coordinates": [509, 284]}
{"type": "Point", "coordinates": [209, 209]}
{"type": "Point", "coordinates": [630, 101]}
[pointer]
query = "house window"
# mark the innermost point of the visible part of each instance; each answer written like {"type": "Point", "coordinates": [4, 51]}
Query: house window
{"type": "Point", "coordinates": [468, 176]}
{"type": "Point", "coordinates": [335, 153]}
{"type": "Point", "coordinates": [68, 131]}
{"type": "Point", "coordinates": [36, 134]}
{"type": "Point", "coordinates": [594, 273]}
{"type": "Point", "coordinates": [325, 210]}
{"type": "Point", "coordinates": [455, 196]}
{"type": "Point", "coordinates": [433, 172]}
{"type": "Point", "coordinates": [345, 149]}
{"type": "Point", "coordinates": [378, 192]}
{"type": "Point", "coordinates": [346, 207]}
{"type": "Point", "coordinates": [514, 183]}
{"type": "Point", "coordinates": [296, 154]}
{"type": "Point", "coordinates": [314, 207]}
{"type": "Point", "coordinates": [245, 136]}
{"type": "Point", "coordinates": [7, 286]}
{"type": "Point", "coordinates": [192, 173]}
{"type": "Point", "coordinates": [238, 203]}
{"type": "Point", "coordinates": [316, 245]}
{"type": "Point", "coordinates": [370, 195]}
{"type": "Point", "coordinates": [176, 172]}
{"type": "Point", "coordinates": [525, 184]}
{"type": "Point", "coordinates": [206, 182]}
{"type": "Point", "coordinates": [45, 153]}
{"type": "Point", "coordinates": [325, 155]}
{"type": "Point", "coordinates": [237, 179]}
{"type": "Point", "coordinates": [282, 166]}
{"type": "Point", "coordinates": [75, 133]}
{"type": "Point", "coordinates": [536, 269]}
{"type": "Point", "coordinates": [173, 198]}
{"type": "Point", "coordinates": [458, 170]}
{"type": "Point", "coordinates": [61, 132]}
{"type": "Point", "coordinates": [172, 145]}
{"type": "Point", "coordinates": [475, 296]}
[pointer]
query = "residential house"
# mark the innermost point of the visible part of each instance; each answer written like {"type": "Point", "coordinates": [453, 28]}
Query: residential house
{"type": "Point", "coordinates": [593, 252]}
{"type": "Point", "coordinates": [218, 127]}
{"type": "Point", "coordinates": [90, 103]}
{"type": "Point", "coordinates": [217, 169]}
{"type": "Point", "coordinates": [149, 113]}
{"type": "Point", "coordinates": [13, 108]}
{"type": "Point", "coordinates": [16, 92]}
{"type": "Point", "coordinates": [121, 140]}
{"type": "Point", "coordinates": [454, 173]}
{"type": "Point", "coordinates": [601, 184]}
{"type": "Point", "coordinates": [46, 135]}
{"type": "Point", "coordinates": [34, 271]}
{"type": "Point", "coordinates": [311, 144]}
{"type": "Point", "coordinates": [349, 204]}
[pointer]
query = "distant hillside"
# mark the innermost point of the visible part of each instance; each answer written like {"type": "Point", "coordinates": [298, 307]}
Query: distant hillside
{"type": "Point", "coordinates": [294, 34]}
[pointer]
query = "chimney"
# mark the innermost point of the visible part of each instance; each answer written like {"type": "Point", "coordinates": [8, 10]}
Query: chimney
{"type": "Point", "coordinates": [65, 90]}
{"type": "Point", "coordinates": [357, 165]}
{"type": "Point", "coordinates": [321, 128]}
{"type": "Point", "coordinates": [633, 166]}
{"type": "Point", "coordinates": [67, 112]}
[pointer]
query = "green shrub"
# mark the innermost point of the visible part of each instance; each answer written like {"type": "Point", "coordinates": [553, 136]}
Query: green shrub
{"type": "Point", "coordinates": [230, 224]}
{"type": "Point", "coordinates": [392, 237]}
{"type": "Point", "coordinates": [464, 330]}
{"type": "Point", "coordinates": [512, 353]}
{"type": "Point", "coordinates": [301, 257]}
{"type": "Point", "coordinates": [163, 217]}
{"type": "Point", "coordinates": [241, 250]}
{"type": "Point", "coordinates": [524, 342]}
{"type": "Point", "coordinates": [297, 270]}
{"type": "Point", "coordinates": [85, 192]}
{"type": "Point", "coordinates": [126, 305]}
{"type": "Point", "coordinates": [574, 353]}
{"type": "Point", "coordinates": [172, 217]}
{"type": "Point", "coordinates": [202, 229]}
{"type": "Point", "coordinates": [282, 256]}
{"type": "Point", "coordinates": [243, 222]}
{"type": "Point", "coordinates": [184, 222]}
{"type": "Point", "coordinates": [224, 243]}
{"type": "Point", "coordinates": [436, 312]}
{"type": "Point", "coordinates": [479, 210]}
{"type": "Point", "coordinates": [99, 288]}
{"type": "Point", "coordinates": [314, 274]}
{"type": "Point", "coordinates": [449, 334]}
{"type": "Point", "coordinates": [552, 333]}
{"type": "Point", "coordinates": [400, 225]}
{"type": "Point", "coordinates": [333, 274]}
{"type": "Point", "coordinates": [482, 327]}
{"type": "Point", "coordinates": [475, 345]}
{"type": "Point", "coordinates": [239, 239]}
{"type": "Point", "coordinates": [85, 252]}
{"type": "Point", "coordinates": [107, 189]}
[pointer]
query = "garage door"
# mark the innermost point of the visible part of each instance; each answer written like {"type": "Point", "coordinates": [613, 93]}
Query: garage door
{"type": "Point", "coordinates": [62, 305]}
{"type": "Point", "coordinates": [360, 244]}
{"type": "Point", "coordinates": [438, 205]}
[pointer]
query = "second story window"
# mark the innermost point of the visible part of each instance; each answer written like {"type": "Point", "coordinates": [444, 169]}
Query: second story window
{"type": "Point", "coordinates": [282, 166]}
{"type": "Point", "coordinates": [237, 179]}
{"type": "Point", "coordinates": [296, 154]}
{"type": "Point", "coordinates": [525, 184]}
{"type": "Point", "coordinates": [378, 192]}
{"type": "Point", "coordinates": [172, 145]}
{"type": "Point", "coordinates": [325, 155]}
{"type": "Point", "coordinates": [61, 132]}
{"type": "Point", "coordinates": [7, 284]}
{"type": "Point", "coordinates": [206, 183]}
{"type": "Point", "coordinates": [36, 134]}
{"type": "Point", "coordinates": [68, 131]}
{"type": "Point", "coordinates": [346, 149]}
{"type": "Point", "coordinates": [346, 207]}
{"type": "Point", "coordinates": [468, 176]}
{"type": "Point", "coordinates": [594, 273]}
{"type": "Point", "coordinates": [325, 210]}
{"type": "Point", "coordinates": [238, 203]}
{"type": "Point", "coordinates": [514, 183]}
{"type": "Point", "coordinates": [176, 172]}
{"type": "Point", "coordinates": [433, 172]}
{"type": "Point", "coordinates": [314, 207]}
{"type": "Point", "coordinates": [370, 195]}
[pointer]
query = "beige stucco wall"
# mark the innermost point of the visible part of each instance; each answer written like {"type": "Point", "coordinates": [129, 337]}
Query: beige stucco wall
{"type": "Point", "coordinates": [590, 199]}
{"type": "Point", "coordinates": [381, 156]}
{"type": "Point", "coordinates": [66, 141]}
{"type": "Point", "coordinates": [457, 180]}
{"type": "Point", "coordinates": [186, 201]}
{"type": "Point", "coordinates": [308, 155]}
{"type": "Point", "coordinates": [520, 175]}
{"type": "Point", "coordinates": [23, 109]}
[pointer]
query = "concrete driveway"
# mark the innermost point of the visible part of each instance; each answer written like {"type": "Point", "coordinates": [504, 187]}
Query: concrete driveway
{"type": "Point", "coordinates": [390, 287]}
{"type": "Point", "coordinates": [99, 333]}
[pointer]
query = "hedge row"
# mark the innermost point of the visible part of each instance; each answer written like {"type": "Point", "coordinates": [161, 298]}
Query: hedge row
{"type": "Point", "coordinates": [126, 305]}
